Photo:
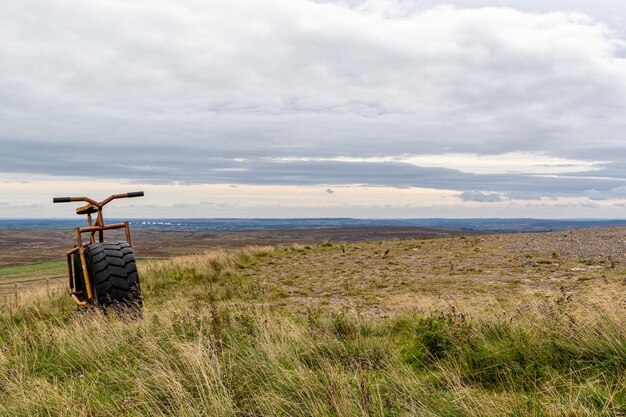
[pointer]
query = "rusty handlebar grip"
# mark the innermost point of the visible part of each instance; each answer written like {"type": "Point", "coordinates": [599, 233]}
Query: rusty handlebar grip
{"type": "Point", "coordinates": [61, 199]}
{"type": "Point", "coordinates": [135, 194]}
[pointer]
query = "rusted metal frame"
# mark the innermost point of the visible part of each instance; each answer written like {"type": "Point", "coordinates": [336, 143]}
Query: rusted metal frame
{"type": "Point", "coordinates": [100, 222]}
{"type": "Point", "coordinates": [92, 237]}
{"type": "Point", "coordinates": [111, 198]}
{"type": "Point", "coordinates": [127, 230]}
{"type": "Point", "coordinates": [71, 277]}
{"type": "Point", "coordinates": [77, 301]}
{"type": "Point", "coordinates": [99, 204]}
{"type": "Point", "coordinates": [70, 274]}
{"type": "Point", "coordinates": [85, 199]}
{"type": "Point", "coordinates": [98, 228]}
{"type": "Point", "coordinates": [69, 266]}
{"type": "Point", "coordinates": [83, 263]}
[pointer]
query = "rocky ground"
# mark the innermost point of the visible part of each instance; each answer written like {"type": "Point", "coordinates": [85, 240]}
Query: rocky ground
{"type": "Point", "coordinates": [497, 274]}
{"type": "Point", "coordinates": [587, 244]}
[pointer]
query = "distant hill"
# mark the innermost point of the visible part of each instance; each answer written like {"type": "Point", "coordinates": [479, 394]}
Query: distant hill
{"type": "Point", "coordinates": [218, 225]}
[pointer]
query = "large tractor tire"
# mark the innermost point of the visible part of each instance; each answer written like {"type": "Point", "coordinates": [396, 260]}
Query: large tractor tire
{"type": "Point", "coordinates": [113, 273]}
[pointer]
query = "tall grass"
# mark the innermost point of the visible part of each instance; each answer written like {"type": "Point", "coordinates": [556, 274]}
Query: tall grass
{"type": "Point", "coordinates": [233, 356]}
{"type": "Point", "coordinates": [212, 276]}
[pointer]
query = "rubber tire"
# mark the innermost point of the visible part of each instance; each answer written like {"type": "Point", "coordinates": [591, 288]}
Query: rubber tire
{"type": "Point", "coordinates": [113, 272]}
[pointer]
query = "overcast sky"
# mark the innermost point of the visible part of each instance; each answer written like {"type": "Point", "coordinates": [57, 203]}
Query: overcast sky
{"type": "Point", "coordinates": [274, 108]}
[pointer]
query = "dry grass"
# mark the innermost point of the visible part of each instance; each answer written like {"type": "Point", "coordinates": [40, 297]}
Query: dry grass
{"type": "Point", "coordinates": [477, 276]}
{"type": "Point", "coordinates": [325, 331]}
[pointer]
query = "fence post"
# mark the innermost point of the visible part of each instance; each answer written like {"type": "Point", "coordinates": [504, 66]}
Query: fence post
{"type": "Point", "coordinates": [16, 296]}
{"type": "Point", "coordinates": [48, 287]}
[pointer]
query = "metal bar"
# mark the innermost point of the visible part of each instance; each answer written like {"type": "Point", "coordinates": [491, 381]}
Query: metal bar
{"type": "Point", "coordinates": [96, 203]}
{"type": "Point", "coordinates": [72, 199]}
{"type": "Point", "coordinates": [100, 222]}
{"type": "Point", "coordinates": [77, 301]}
{"type": "Point", "coordinates": [79, 238]}
{"type": "Point", "coordinates": [69, 268]}
{"type": "Point", "coordinates": [92, 237]}
{"type": "Point", "coordinates": [107, 227]}
{"type": "Point", "coordinates": [83, 263]}
{"type": "Point", "coordinates": [127, 230]}
{"type": "Point", "coordinates": [113, 197]}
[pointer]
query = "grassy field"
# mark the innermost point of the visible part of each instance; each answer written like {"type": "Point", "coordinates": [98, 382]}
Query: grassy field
{"type": "Point", "coordinates": [29, 246]}
{"type": "Point", "coordinates": [476, 326]}
{"type": "Point", "coordinates": [38, 271]}
{"type": "Point", "coordinates": [33, 271]}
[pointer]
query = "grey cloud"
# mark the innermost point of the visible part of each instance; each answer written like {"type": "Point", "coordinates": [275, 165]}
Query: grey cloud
{"type": "Point", "coordinates": [180, 91]}
{"type": "Point", "coordinates": [589, 204]}
{"type": "Point", "coordinates": [163, 165]}
{"type": "Point", "coordinates": [480, 197]}
{"type": "Point", "coordinates": [613, 193]}
{"type": "Point", "coordinates": [527, 195]}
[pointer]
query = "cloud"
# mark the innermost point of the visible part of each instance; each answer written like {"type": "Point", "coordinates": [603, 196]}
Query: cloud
{"type": "Point", "coordinates": [528, 195]}
{"type": "Point", "coordinates": [516, 162]}
{"type": "Point", "coordinates": [613, 193]}
{"type": "Point", "coordinates": [212, 92]}
{"type": "Point", "coordinates": [146, 166]}
{"type": "Point", "coordinates": [480, 197]}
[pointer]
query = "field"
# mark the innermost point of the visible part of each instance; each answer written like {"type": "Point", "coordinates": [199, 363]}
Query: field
{"type": "Point", "coordinates": [480, 325]}
{"type": "Point", "coordinates": [27, 246]}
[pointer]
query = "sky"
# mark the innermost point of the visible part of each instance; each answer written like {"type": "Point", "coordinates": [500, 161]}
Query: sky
{"type": "Point", "coordinates": [303, 108]}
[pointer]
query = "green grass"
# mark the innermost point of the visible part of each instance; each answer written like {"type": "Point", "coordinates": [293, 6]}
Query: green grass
{"type": "Point", "coordinates": [218, 340]}
{"type": "Point", "coordinates": [37, 270]}
{"type": "Point", "coordinates": [33, 270]}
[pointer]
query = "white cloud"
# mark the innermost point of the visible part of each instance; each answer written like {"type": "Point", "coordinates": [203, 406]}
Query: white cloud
{"type": "Point", "coordinates": [514, 162]}
{"type": "Point", "coordinates": [214, 91]}
{"type": "Point", "coordinates": [203, 71]}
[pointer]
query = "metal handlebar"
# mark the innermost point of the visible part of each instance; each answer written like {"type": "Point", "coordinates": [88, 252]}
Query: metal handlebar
{"type": "Point", "coordinates": [96, 203]}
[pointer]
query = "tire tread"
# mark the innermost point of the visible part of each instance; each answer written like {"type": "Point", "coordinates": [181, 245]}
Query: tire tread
{"type": "Point", "coordinates": [113, 269]}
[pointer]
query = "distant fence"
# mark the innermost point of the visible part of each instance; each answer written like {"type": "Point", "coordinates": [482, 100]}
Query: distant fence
{"type": "Point", "coordinates": [16, 293]}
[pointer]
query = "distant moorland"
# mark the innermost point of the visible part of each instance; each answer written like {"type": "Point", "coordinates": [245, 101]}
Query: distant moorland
{"type": "Point", "coordinates": [217, 225]}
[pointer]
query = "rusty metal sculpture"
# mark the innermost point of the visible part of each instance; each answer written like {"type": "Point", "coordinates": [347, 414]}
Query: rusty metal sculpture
{"type": "Point", "coordinates": [102, 273]}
